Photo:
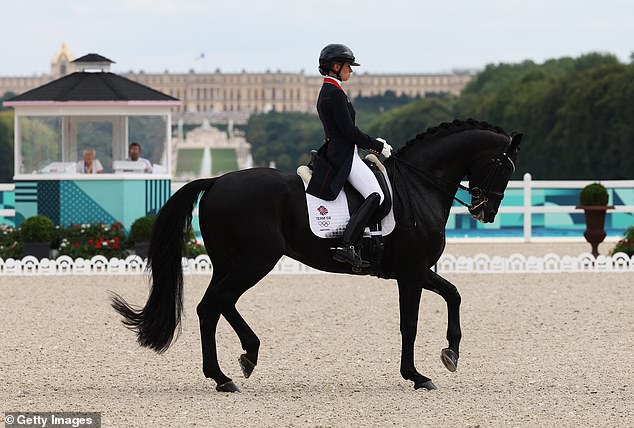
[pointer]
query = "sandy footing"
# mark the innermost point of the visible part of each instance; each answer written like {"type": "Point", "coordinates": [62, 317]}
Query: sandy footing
{"type": "Point", "coordinates": [538, 350]}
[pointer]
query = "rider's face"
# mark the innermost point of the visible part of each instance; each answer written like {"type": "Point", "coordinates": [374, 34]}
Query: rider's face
{"type": "Point", "coordinates": [345, 71]}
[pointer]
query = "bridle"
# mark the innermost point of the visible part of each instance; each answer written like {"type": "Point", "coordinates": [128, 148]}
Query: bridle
{"type": "Point", "coordinates": [481, 194]}
{"type": "Point", "coordinates": [501, 167]}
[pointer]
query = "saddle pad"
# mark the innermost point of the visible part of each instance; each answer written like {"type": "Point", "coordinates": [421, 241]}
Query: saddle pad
{"type": "Point", "coordinates": [328, 219]}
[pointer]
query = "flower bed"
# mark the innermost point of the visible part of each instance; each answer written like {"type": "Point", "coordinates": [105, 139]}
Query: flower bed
{"type": "Point", "coordinates": [88, 240]}
{"type": "Point", "coordinates": [625, 245]}
{"type": "Point", "coordinates": [10, 242]}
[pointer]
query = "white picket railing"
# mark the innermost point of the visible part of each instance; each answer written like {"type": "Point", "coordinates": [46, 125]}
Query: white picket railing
{"type": "Point", "coordinates": [201, 265]}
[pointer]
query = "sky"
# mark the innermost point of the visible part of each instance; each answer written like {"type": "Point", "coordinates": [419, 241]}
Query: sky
{"type": "Point", "coordinates": [397, 36]}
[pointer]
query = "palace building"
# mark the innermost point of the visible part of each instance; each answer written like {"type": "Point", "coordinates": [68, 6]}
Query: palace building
{"type": "Point", "coordinates": [223, 97]}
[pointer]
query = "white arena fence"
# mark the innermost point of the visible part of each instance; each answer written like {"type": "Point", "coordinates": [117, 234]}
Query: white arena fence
{"type": "Point", "coordinates": [201, 265]}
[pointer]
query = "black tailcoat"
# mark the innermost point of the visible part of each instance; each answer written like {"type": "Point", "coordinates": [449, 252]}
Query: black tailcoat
{"type": "Point", "coordinates": [341, 135]}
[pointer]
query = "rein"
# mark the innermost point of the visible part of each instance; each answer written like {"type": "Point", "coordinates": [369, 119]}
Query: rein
{"type": "Point", "coordinates": [434, 181]}
{"type": "Point", "coordinates": [482, 196]}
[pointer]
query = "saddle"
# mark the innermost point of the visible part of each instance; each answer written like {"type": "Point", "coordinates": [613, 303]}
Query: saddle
{"type": "Point", "coordinates": [328, 219]}
{"type": "Point", "coordinates": [353, 197]}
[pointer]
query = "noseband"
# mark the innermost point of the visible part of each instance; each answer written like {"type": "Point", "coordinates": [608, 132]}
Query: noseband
{"type": "Point", "coordinates": [496, 170]}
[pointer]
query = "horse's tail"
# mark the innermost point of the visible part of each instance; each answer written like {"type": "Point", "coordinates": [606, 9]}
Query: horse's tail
{"type": "Point", "coordinates": [157, 321]}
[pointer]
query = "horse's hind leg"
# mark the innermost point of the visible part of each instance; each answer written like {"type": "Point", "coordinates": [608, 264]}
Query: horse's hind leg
{"type": "Point", "coordinates": [248, 339]}
{"type": "Point", "coordinates": [449, 292]}
{"type": "Point", "coordinates": [220, 299]}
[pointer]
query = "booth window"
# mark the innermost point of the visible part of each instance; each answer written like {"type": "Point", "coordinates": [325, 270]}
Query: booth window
{"type": "Point", "coordinates": [54, 144]}
{"type": "Point", "coordinates": [41, 140]}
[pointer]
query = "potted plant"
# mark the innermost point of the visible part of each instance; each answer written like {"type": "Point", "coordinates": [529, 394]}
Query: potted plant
{"type": "Point", "coordinates": [140, 233]}
{"type": "Point", "coordinates": [36, 233]}
{"type": "Point", "coordinates": [593, 199]}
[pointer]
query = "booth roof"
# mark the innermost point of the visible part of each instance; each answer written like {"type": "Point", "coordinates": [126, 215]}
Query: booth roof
{"type": "Point", "coordinates": [93, 57]}
{"type": "Point", "coordinates": [92, 86]}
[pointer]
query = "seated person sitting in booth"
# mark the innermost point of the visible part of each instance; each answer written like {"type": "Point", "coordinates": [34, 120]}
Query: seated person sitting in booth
{"type": "Point", "coordinates": [89, 165]}
{"type": "Point", "coordinates": [134, 152]}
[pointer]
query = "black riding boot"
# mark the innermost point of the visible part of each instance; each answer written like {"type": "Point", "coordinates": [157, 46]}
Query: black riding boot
{"type": "Point", "coordinates": [346, 253]}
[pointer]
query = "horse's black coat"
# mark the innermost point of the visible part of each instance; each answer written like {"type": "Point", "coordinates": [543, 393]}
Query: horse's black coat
{"type": "Point", "coordinates": [251, 218]}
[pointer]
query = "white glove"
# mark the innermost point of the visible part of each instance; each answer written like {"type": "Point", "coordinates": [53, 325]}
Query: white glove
{"type": "Point", "coordinates": [387, 149]}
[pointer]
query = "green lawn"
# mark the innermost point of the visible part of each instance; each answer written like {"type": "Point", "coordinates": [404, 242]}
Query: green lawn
{"type": "Point", "coordinates": [223, 160]}
{"type": "Point", "coordinates": [189, 161]}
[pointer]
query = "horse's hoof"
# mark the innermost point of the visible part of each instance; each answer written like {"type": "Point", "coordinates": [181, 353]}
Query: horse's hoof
{"type": "Point", "coordinates": [246, 365]}
{"type": "Point", "coordinates": [450, 359]}
{"type": "Point", "coordinates": [429, 386]}
{"type": "Point", "coordinates": [228, 387]}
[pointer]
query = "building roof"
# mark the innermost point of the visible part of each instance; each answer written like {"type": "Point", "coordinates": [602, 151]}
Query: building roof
{"type": "Point", "coordinates": [92, 86]}
{"type": "Point", "coordinates": [93, 57]}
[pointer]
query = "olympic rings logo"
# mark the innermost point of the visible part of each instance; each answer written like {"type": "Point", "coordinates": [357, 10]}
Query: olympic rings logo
{"type": "Point", "coordinates": [324, 223]}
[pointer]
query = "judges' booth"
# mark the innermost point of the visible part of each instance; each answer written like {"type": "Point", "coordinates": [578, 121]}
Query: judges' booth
{"type": "Point", "coordinates": [73, 161]}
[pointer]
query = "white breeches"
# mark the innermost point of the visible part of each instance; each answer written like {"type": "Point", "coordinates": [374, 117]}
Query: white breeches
{"type": "Point", "coordinates": [363, 179]}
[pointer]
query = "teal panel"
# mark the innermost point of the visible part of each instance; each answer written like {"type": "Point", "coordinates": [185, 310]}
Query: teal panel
{"type": "Point", "coordinates": [79, 206]}
{"type": "Point", "coordinates": [7, 202]}
{"type": "Point", "coordinates": [25, 201]}
{"type": "Point", "coordinates": [134, 195]}
{"type": "Point", "coordinates": [48, 200]}
{"type": "Point", "coordinates": [107, 192]}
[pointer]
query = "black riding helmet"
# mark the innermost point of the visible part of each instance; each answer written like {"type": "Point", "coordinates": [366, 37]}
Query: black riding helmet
{"type": "Point", "coordinates": [334, 54]}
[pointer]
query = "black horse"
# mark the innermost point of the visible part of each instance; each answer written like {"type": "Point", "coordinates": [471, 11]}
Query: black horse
{"type": "Point", "coordinates": [249, 219]}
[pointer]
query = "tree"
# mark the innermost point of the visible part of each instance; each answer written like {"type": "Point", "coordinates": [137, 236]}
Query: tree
{"type": "Point", "coordinates": [402, 124]}
{"type": "Point", "coordinates": [283, 138]}
{"type": "Point", "coordinates": [574, 113]}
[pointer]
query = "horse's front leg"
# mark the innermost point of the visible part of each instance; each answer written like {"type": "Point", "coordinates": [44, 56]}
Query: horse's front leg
{"type": "Point", "coordinates": [449, 292]}
{"type": "Point", "coordinates": [409, 291]}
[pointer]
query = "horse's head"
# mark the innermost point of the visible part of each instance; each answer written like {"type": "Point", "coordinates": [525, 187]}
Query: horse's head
{"type": "Point", "coordinates": [488, 178]}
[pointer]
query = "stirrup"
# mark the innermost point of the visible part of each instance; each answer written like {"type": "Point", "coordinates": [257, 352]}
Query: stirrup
{"type": "Point", "coordinates": [348, 254]}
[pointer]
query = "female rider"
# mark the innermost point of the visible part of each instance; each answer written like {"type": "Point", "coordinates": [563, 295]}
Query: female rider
{"type": "Point", "coordinates": [338, 157]}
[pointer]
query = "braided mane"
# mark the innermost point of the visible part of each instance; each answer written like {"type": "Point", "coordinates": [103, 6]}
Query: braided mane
{"type": "Point", "coordinates": [448, 128]}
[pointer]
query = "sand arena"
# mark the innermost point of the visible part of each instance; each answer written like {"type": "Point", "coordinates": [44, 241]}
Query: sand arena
{"type": "Point", "coordinates": [537, 350]}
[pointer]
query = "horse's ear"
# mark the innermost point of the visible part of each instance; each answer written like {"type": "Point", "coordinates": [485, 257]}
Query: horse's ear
{"type": "Point", "coordinates": [516, 139]}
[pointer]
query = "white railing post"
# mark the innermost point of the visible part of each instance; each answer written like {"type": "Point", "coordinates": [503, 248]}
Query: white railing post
{"type": "Point", "coordinates": [528, 205]}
